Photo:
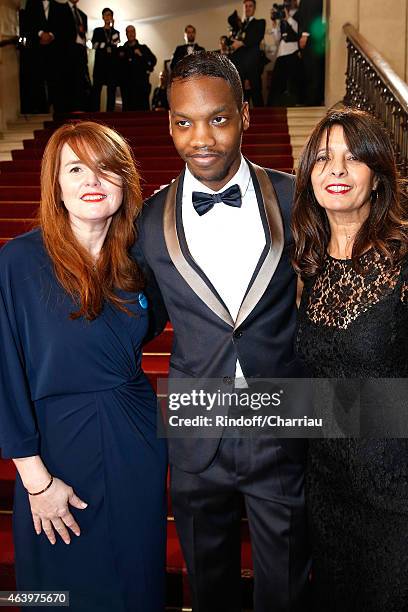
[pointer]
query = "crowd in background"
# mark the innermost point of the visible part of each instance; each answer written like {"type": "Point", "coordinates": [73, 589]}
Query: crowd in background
{"type": "Point", "coordinates": [54, 59]}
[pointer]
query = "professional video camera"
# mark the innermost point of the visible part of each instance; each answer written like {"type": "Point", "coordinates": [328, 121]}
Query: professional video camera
{"type": "Point", "coordinates": [278, 10]}
{"type": "Point", "coordinates": [235, 25]}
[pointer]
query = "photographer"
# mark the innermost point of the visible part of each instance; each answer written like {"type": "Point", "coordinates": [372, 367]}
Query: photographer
{"type": "Point", "coordinates": [105, 41]}
{"type": "Point", "coordinates": [285, 84]}
{"type": "Point", "coordinates": [247, 55]}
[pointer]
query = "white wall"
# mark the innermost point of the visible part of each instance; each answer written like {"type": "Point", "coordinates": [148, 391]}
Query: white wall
{"type": "Point", "coordinates": [164, 34]}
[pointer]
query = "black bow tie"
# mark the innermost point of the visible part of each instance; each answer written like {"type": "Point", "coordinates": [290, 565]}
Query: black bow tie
{"type": "Point", "coordinates": [203, 202]}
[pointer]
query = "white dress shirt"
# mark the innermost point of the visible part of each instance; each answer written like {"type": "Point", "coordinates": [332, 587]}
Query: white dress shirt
{"type": "Point", "coordinates": [286, 48]}
{"type": "Point", "coordinates": [46, 5]}
{"type": "Point", "coordinates": [226, 242]}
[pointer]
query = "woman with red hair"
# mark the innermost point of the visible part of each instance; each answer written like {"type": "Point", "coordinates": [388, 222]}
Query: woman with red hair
{"type": "Point", "coordinates": [78, 415]}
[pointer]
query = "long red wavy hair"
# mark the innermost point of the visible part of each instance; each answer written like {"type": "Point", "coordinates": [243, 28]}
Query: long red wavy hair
{"type": "Point", "coordinates": [104, 150]}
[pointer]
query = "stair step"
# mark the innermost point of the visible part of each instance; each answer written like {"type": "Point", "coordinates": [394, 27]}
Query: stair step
{"type": "Point", "coordinates": [6, 145]}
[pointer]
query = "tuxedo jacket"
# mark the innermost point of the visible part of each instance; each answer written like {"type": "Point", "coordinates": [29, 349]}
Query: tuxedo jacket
{"type": "Point", "coordinates": [254, 31]}
{"type": "Point", "coordinates": [248, 59]}
{"type": "Point", "coordinates": [181, 51]}
{"type": "Point", "coordinates": [309, 11]}
{"type": "Point", "coordinates": [207, 342]}
{"type": "Point", "coordinates": [36, 21]}
{"type": "Point", "coordinates": [69, 26]}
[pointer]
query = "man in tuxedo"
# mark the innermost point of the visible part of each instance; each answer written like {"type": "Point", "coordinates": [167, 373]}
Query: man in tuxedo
{"type": "Point", "coordinates": [190, 47]}
{"type": "Point", "coordinates": [74, 62]}
{"type": "Point", "coordinates": [42, 29]}
{"type": "Point", "coordinates": [215, 247]}
{"type": "Point", "coordinates": [247, 54]}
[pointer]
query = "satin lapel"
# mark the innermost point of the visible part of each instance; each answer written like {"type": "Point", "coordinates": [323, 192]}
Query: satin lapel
{"type": "Point", "coordinates": [270, 263]}
{"type": "Point", "coordinates": [192, 278]}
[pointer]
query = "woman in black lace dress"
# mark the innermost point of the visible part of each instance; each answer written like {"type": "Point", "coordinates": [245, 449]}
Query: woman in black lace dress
{"type": "Point", "coordinates": [351, 253]}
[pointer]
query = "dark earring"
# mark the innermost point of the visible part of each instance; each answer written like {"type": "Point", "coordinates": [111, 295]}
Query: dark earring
{"type": "Point", "coordinates": [374, 196]}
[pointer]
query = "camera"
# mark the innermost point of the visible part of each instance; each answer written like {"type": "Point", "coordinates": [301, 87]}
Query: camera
{"type": "Point", "coordinates": [235, 24]}
{"type": "Point", "coordinates": [278, 10]}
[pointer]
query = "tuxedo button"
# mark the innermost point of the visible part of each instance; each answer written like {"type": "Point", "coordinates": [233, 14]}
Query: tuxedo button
{"type": "Point", "coordinates": [227, 380]}
{"type": "Point", "coordinates": [237, 334]}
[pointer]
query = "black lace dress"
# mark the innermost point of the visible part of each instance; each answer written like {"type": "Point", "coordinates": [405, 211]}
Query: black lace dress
{"type": "Point", "coordinates": [357, 489]}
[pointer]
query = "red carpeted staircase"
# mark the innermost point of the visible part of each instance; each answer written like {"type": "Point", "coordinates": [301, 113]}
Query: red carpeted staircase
{"type": "Point", "coordinates": [267, 143]}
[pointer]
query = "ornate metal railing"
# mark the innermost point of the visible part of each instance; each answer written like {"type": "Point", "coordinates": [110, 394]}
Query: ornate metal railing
{"type": "Point", "coordinates": [372, 85]}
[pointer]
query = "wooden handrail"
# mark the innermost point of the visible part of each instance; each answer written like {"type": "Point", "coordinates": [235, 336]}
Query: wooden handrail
{"type": "Point", "coordinates": [372, 85]}
{"type": "Point", "coordinates": [9, 41]}
{"type": "Point", "coordinates": [390, 78]}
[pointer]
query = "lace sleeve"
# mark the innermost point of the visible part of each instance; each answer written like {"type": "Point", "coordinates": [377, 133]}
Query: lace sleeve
{"type": "Point", "coordinates": [404, 283]}
{"type": "Point", "coordinates": [404, 292]}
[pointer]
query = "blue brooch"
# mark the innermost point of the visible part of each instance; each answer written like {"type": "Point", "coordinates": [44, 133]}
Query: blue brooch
{"type": "Point", "coordinates": [143, 301]}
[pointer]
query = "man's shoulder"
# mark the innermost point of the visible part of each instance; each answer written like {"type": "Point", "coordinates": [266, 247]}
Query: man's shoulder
{"type": "Point", "coordinates": [257, 21]}
{"type": "Point", "coordinates": [284, 185]}
{"type": "Point", "coordinates": [281, 177]}
{"type": "Point", "coordinates": [155, 202]}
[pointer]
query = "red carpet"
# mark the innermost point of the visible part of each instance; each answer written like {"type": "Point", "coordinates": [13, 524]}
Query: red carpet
{"type": "Point", "coordinates": [267, 143]}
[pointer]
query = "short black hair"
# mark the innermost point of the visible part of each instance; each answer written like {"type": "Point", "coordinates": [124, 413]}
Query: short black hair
{"type": "Point", "coordinates": [208, 64]}
{"type": "Point", "coordinates": [107, 10]}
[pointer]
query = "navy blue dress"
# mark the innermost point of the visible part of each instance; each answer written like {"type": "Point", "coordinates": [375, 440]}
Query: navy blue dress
{"type": "Point", "coordinates": [74, 393]}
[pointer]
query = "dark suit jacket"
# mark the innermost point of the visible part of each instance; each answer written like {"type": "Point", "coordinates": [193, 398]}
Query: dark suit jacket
{"type": "Point", "coordinates": [181, 51]}
{"type": "Point", "coordinates": [248, 59]}
{"type": "Point", "coordinates": [207, 342]}
{"type": "Point", "coordinates": [105, 66]}
{"type": "Point", "coordinates": [134, 66]}
{"type": "Point", "coordinates": [69, 26]}
{"type": "Point", "coordinates": [36, 21]}
{"type": "Point", "coordinates": [309, 10]}
{"type": "Point", "coordinates": [254, 31]}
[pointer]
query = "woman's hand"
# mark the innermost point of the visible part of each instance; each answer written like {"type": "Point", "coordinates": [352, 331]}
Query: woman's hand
{"type": "Point", "coordinates": [51, 512]}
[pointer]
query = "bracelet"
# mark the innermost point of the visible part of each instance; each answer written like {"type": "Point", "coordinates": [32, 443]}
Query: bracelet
{"type": "Point", "coordinates": [43, 491]}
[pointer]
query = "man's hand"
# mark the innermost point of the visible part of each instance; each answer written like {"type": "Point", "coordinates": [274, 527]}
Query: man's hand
{"type": "Point", "coordinates": [46, 38]}
{"type": "Point", "coordinates": [138, 52]}
{"type": "Point", "coordinates": [237, 44]}
{"type": "Point", "coordinates": [303, 41]}
{"type": "Point", "coordinates": [50, 511]}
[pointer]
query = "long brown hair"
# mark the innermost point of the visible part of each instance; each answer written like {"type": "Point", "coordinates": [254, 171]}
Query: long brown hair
{"type": "Point", "coordinates": [104, 150]}
{"type": "Point", "coordinates": [385, 229]}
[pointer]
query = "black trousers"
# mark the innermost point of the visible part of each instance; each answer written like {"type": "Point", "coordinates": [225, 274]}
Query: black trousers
{"type": "Point", "coordinates": [135, 96]}
{"type": "Point", "coordinates": [96, 96]}
{"type": "Point", "coordinates": [75, 84]}
{"type": "Point", "coordinates": [207, 509]}
{"type": "Point", "coordinates": [312, 69]}
{"type": "Point", "coordinates": [39, 80]}
{"type": "Point", "coordinates": [285, 84]}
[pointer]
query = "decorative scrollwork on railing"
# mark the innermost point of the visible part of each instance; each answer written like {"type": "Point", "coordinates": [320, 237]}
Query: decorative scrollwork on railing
{"type": "Point", "coordinates": [372, 85]}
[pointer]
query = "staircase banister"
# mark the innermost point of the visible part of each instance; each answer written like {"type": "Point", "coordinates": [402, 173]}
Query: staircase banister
{"type": "Point", "coordinates": [395, 84]}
